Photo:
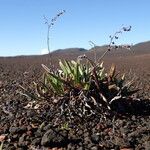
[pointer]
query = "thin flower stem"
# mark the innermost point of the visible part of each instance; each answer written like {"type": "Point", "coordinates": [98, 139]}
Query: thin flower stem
{"type": "Point", "coordinates": [48, 31]}
{"type": "Point", "coordinates": [49, 26]}
{"type": "Point", "coordinates": [94, 47]}
{"type": "Point", "coordinates": [103, 55]}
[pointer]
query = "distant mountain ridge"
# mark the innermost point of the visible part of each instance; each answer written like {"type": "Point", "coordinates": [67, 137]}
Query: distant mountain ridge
{"type": "Point", "coordinates": [70, 50]}
{"type": "Point", "coordinates": [137, 49]}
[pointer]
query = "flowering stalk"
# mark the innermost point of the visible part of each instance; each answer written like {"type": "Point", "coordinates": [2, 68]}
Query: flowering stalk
{"type": "Point", "coordinates": [112, 41]}
{"type": "Point", "coordinates": [50, 24]}
{"type": "Point", "coordinates": [94, 47]}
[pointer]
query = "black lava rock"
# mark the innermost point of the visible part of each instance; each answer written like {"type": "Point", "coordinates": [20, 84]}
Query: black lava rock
{"type": "Point", "coordinates": [55, 137]}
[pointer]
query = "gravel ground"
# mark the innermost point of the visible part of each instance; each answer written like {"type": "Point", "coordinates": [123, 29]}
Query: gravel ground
{"type": "Point", "coordinates": [39, 125]}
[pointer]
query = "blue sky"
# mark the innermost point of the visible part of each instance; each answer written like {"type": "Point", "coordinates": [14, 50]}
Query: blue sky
{"type": "Point", "coordinates": [23, 32]}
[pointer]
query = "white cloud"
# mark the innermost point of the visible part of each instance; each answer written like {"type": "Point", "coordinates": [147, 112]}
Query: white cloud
{"type": "Point", "coordinates": [44, 51]}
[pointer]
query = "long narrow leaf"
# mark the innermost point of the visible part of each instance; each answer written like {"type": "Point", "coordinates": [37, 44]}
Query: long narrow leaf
{"type": "Point", "coordinates": [56, 77]}
{"type": "Point", "coordinates": [1, 146]}
{"type": "Point", "coordinates": [112, 71]}
{"type": "Point", "coordinates": [69, 67]}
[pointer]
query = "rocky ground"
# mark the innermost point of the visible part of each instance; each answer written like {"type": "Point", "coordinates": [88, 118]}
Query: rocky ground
{"type": "Point", "coordinates": [27, 124]}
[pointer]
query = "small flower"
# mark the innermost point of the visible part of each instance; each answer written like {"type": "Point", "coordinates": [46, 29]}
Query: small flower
{"type": "Point", "coordinates": [126, 28]}
{"type": "Point", "coordinates": [109, 48]}
{"type": "Point", "coordinates": [82, 57]}
{"type": "Point", "coordinates": [116, 46]}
